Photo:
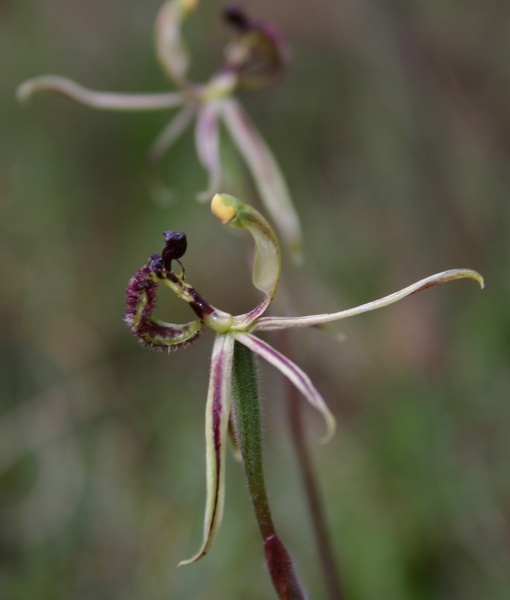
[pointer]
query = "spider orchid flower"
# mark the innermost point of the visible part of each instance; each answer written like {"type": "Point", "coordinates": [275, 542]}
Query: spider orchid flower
{"type": "Point", "coordinates": [256, 58]}
{"type": "Point", "coordinates": [229, 329]}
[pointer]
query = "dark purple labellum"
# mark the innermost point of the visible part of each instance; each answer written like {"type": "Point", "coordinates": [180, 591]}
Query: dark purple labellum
{"type": "Point", "coordinates": [175, 247]}
{"type": "Point", "coordinates": [140, 304]}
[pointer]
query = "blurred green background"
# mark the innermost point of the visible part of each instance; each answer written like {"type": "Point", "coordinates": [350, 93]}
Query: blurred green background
{"type": "Point", "coordinates": [393, 128]}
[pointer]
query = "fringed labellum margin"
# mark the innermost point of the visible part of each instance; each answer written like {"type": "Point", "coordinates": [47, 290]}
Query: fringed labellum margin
{"type": "Point", "coordinates": [154, 333]}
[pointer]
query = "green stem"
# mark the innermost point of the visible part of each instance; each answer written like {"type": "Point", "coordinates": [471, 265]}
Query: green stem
{"type": "Point", "coordinates": [247, 419]}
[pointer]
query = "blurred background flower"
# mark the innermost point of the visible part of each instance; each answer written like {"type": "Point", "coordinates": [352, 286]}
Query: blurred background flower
{"type": "Point", "coordinates": [393, 130]}
{"type": "Point", "coordinates": [255, 59]}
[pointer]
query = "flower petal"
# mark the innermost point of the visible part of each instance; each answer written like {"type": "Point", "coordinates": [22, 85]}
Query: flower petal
{"type": "Point", "coordinates": [266, 173]}
{"type": "Point", "coordinates": [272, 323]}
{"type": "Point", "coordinates": [170, 134]}
{"type": "Point", "coordinates": [170, 49]}
{"type": "Point", "coordinates": [104, 100]}
{"type": "Point", "coordinates": [267, 260]}
{"type": "Point", "coordinates": [294, 373]}
{"type": "Point", "coordinates": [219, 400]}
{"type": "Point", "coordinates": [207, 145]}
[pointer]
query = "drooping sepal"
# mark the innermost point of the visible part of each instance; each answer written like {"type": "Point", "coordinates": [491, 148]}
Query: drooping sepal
{"type": "Point", "coordinates": [217, 416]}
{"type": "Point", "coordinates": [295, 375]}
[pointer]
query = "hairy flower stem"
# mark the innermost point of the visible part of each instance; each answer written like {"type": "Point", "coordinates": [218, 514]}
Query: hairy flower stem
{"type": "Point", "coordinates": [249, 436]}
{"type": "Point", "coordinates": [317, 517]}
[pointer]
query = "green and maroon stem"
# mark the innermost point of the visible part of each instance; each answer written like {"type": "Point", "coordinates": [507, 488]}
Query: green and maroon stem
{"type": "Point", "coordinates": [248, 431]}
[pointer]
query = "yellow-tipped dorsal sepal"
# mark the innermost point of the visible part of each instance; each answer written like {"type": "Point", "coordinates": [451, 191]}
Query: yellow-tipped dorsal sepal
{"type": "Point", "coordinates": [267, 260]}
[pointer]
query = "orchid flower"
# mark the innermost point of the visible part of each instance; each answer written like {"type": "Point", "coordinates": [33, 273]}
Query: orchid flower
{"type": "Point", "coordinates": [241, 329]}
{"type": "Point", "coordinates": [257, 58]}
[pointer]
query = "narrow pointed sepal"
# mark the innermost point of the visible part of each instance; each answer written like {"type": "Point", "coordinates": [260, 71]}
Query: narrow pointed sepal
{"type": "Point", "coordinates": [95, 99]}
{"type": "Point", "coordinates": [273, 323]}
{"type": "Point", "coordinates": [295, 375]}
{"type": "Point", "coordinates": [266, 173]}
{"type": "Point", "coordinates": [219, 399]}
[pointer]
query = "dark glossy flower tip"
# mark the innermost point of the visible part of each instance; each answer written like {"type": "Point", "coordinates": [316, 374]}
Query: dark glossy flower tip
{"type": "Point", "coordinates": [175, 247]}
{"type": "Point", "coordinates": [234, 15]}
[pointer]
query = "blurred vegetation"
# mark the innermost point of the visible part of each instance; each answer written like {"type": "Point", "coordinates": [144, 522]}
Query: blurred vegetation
{"type": "Point", "coordinates": [393, 128]}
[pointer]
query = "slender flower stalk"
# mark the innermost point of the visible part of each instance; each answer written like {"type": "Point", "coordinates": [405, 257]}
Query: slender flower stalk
{"type": "Point", "coordinates": [241, 329]}
{"type": "Point", "coordinates": [256, 59]}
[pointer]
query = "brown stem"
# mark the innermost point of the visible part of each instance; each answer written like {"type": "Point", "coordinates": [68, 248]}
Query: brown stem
{"type": "Point", "coordinates": [317, 516]}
